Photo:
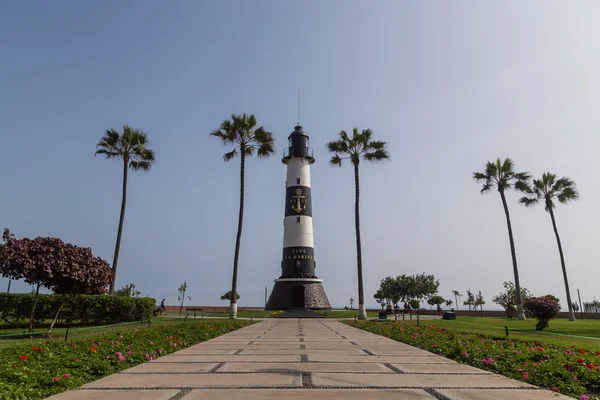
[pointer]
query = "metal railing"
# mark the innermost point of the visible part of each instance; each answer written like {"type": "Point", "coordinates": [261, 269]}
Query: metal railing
{"type": "Point", "coordinates": [309, 153]}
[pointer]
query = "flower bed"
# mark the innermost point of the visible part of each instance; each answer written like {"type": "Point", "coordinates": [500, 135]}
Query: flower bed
{"type": "Point", "coordinates": [566, 369]}
{"type": "Point", "coordinates": [35, 372]}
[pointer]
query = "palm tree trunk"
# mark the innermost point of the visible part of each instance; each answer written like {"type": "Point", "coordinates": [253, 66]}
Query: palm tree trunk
{"type": "Point", "coordinates": [8, 290]}
{"type": "Point", "coordinates": [238, 239]}
{"type": "Point", "coordinates": [111, 291]}
{"type": "Point", "coordinates": [513, 253]}
{"type": "Point", "coordinates": [362, 313]}
{"type": "Point", "coordinates": [35, 299]}
{"type": "Point", "coordinates": [456, 300]}
{"type": "Point", "coordinates": [564, 268]}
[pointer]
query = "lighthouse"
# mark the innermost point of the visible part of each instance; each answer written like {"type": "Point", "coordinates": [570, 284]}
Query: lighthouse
{"type": "Point", "coordinates": [298, 286]}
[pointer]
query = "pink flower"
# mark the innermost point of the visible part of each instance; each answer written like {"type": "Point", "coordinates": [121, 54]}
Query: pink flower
{"type": "Point", "coordinates": [147, 356]}
{"type": "Point", "coordinates": [525, 375]}
{"type": "Point", "coordinates": [129, 352]}
{"type": "Point", "coordinates": [487, 361]}
{"type": "Point", "coordinates": [159, 351]}
{"type": "Point", "coordinates": [151, 342]}
{"type": "Point", "coordinates": [65, 376]}
{"type": "Point", "coordinates": [107, 357]}
{"type": "Point", "coordinates": [55, 379]}
{"type": "Point", "coordinates": [74, 346]}
{"type": "Point", "coordinates": [121, 358]}
{"type": "Point", "coordinates": [575, 378]}
{"type": "Point", "coordinates": [555, 389]}
{"type": "Point", "coordinates": [584, 397]}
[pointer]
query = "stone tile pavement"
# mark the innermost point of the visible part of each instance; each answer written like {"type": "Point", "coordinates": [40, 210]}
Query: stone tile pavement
{"type": "Point", "coordinates": [302, 359]}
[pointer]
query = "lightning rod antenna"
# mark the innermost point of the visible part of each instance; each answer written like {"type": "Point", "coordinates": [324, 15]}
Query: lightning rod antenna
{"type": "Point", "coordinates": [298, 106]}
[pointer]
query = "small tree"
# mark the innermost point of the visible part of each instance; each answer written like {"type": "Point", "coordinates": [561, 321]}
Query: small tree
{"type": "Point", "coordinates": [508, 299]}
{"type": "Point", "coordinates": [436, 301]}
{"type": "Point", "coordinates": [414, 304]}
{"type": "Point", "coordinates": [351, 302]}
{"type": "Point", "coordinates": [470, 302]}
{"type": "Point", "coordinates": [182, 289]}
{"type": "Point", "coordinates": [479, 302]}
{"type": "Point", "coordinates": [227, 296]}
{"type": "Point", "coordinates": [128, 291]}
{"type": "Point", "coordinates": [543, 309]}
{"type": "Point", "coordinates": [380, 298]}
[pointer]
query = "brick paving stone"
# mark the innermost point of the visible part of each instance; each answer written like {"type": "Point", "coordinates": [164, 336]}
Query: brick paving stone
{"type": "Point", "coordinates": [116, 395]}
{"type": "Point", "coordinates": [303, 394]}
{"type": "Point", "coordinates": [149, 381]}
{"type": "Point", "coordinates": [304, 366]}
{"type": "Point", "coordinates": [472, 394]}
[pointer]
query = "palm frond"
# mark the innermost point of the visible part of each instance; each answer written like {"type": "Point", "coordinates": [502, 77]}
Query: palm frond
{"type": "Point", "coordinates": [528, 201]}
{"type": "Point", "coordinates": [522, 186]}
{"type": "Point", "coordinates": [108, 153]}
{"type": "Point", "coordinates": [344, 137]}
{"type": "Point", "coordinates": [261, 136]}
{"type": "Point", "coordinates": [336, 161]}
{"type": "Point", "coordinates": [248, 150]}
{"type": "Point", "coordinates": [137, 165]}
{"type": "Point", "coordinates": [377, 155]}
{"type": "Point", "coordinates": [229, 156]}
{"type": "Point", "coordinates": [338, 146]}
{"type": "Point", "coordinates": [568, 194]}
{"type": "Point", "coordinates": [480, 176]}
{"type": "Point", "coordinates": [265, 150]}
{"type": "Point", "coordinates": [486, 188]}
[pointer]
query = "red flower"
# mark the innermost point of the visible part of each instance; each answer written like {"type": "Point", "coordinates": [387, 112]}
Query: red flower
{"type": "Point", "coordinates": [34, 348]}
{"type": "Point", "coordinates": [582, 351]}
{"type": "Point", "coordinates": [555, 389]}
{"type": "Point", "coordinates": [24, 357]}
{"type": "Point", "coordinates": [65, 376]}
{"type": "Point", "coordinates": [55, 379]}
{"type": "Point", "coordinates": [580, 361]}
{"type": "Point", "coordinates": [93, 348]}
{"type": "Point", "coordinates": [598, 353]}
{"type": "Point", "coordinates": [13, 366]}
{"type": "Point", "coordinates": [43, 342]}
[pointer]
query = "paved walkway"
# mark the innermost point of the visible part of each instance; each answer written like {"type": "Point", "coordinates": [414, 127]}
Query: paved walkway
{"type": "Point", "coordinates": [302, 359]}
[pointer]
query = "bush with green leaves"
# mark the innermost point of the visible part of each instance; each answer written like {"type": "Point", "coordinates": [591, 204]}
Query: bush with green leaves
{"type": "Point", "coordinates": [86, 309]}
{"type": "Point", "coordinates": [543, 309]}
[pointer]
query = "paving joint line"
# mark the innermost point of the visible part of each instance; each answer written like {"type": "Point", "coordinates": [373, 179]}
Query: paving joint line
{"type": "Point", "coordinates": [125, 388]}
{"type": "Point", "coordinates": [368, 352]}
{"type": "Point", "coordinates": [307, 380]}
{"type": "Point", "coordinates": [238, 351]}
{"type": "Point", "coordinates": [395, 369]}
{"type": "Point", "coordinates": [180, 394]}
{"type": "Point", "coordinates": [216, 367]}
{"type": "Point", "coordinates": [436, 394]}
{"type": "Point", "coordinates": [304, 358]}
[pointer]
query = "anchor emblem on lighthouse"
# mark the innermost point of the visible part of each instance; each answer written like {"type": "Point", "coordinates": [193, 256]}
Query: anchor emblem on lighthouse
{"type": "Point", "coordinates": [298, 201]}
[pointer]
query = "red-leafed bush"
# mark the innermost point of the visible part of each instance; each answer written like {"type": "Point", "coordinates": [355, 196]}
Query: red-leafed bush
{"type": "Point", "coordinates": [543, 309]}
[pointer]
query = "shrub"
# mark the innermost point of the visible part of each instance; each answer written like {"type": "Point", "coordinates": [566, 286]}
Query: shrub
{"type": "Point", "coordinates": [88, 309]}
{"type": "Point", "coordinates": [543, 309]}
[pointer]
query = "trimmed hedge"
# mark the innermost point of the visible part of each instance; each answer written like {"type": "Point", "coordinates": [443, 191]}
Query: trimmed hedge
{"type": "Point", "coordinates": [15, 308]}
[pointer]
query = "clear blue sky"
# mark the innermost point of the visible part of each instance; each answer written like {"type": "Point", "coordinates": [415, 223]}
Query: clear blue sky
{"type": "Point", "coordinates": [449, 85]}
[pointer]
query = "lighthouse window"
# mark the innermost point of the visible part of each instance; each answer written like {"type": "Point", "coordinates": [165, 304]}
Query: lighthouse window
{"type": "Point", "coordinates": [297, 220]}
{"type": "Point", "coordinates": [298, 181]}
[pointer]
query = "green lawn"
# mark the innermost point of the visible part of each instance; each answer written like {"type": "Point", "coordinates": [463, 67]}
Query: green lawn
{"type": "Point", "coordinates": [581, 332]}
{"type": "Point", "coordinates": [81, 333]}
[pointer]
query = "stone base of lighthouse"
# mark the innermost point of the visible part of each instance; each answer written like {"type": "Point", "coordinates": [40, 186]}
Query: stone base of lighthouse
{"type": "Point", "coordinates": [298, 293]}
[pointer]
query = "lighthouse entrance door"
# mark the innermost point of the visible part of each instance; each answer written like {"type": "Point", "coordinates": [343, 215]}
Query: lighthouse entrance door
{"type": "Point", "coordinates": [298, 296]}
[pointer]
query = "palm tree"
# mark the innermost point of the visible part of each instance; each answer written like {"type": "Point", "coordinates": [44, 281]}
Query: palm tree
{"type": "Point", "coordinates": [547, 189]}
{"type": "Point", "coordinates": [129, 146]}
{"type": "Point", "coordinates": [360, 145]}
{"type": "Point", "coordinates": [242, 133]}
{"type": "Point", "coordinates": [456, 294]}
{"type": "Point", "coordinates": [502, 176]}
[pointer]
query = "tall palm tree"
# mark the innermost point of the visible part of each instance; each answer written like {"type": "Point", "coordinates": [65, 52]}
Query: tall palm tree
{"type": "Point", "coordinates": [501, 175]}
{"type": "Point", "coordinates": [130, 147]}
{"type": "Point", "coordinates": [456, 294]}
{"type": "Point", "coordinates": [547, 189]}
{"type": "Point", "coordinates": [360, 146]}
{"type": "Point", "coordinates": [242, 133]}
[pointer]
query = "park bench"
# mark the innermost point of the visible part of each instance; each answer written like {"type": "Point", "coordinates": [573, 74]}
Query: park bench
{"type": "Point", "coordinates": [194, 310]}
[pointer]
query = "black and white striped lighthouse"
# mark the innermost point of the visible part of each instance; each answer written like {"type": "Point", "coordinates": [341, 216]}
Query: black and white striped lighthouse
{"type": "Point", "coordinates": [298, 286]}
